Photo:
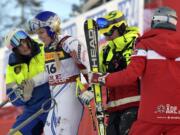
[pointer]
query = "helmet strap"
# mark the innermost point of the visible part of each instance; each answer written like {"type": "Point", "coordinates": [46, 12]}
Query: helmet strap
{"type": "Point", "coordinates": [50, 32]}
{"type": "Point", "coordinates": [122, 31]}
{"type": "Point", "coordinates": [29, 43]}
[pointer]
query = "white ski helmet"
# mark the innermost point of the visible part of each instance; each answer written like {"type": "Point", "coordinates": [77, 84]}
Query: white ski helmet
{"type": "Point", "coordinates": [48, 20]}
{"type": "Point", "coordinates": [13, 38]}
{"type": "Point", "coordinates": [164, 17]}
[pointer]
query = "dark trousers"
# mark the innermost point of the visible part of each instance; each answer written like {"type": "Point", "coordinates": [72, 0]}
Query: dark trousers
{"type": "Point", "coordinates": [120, 122]}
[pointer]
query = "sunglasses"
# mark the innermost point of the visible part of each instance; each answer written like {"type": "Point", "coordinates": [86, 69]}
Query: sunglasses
{"type": "Point", "coordinates": [107, 34]}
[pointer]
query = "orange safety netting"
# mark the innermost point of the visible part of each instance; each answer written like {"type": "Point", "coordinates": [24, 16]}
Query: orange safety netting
{"type": "Point", "coordinates": [9, 114]}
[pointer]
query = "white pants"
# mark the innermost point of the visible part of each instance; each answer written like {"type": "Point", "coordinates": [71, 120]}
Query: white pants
{"type": "Point", "coordinates": [64, 119]}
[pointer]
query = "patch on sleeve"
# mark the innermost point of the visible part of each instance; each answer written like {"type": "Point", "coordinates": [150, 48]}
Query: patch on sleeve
{"type": "Point", "coordinates": [17, 69]}
{"type": "Point", "coordinates": [139, 52]}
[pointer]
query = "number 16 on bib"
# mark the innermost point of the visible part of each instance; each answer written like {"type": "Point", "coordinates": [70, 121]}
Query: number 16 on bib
{"type": "Point", "coordinates": [91, 36]}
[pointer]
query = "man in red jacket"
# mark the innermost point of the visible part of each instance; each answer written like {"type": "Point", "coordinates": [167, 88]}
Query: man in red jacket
{"type": "Point", "coordinates": [156, 60]}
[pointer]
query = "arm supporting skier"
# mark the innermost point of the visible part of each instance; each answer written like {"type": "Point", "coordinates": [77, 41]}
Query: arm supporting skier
{"type": "Point", "coordinates": [19, 94]}
{"type": "Point", "coordinates": [135, 69]}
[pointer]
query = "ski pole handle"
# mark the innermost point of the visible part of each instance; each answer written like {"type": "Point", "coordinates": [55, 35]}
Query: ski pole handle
{"type": "Point", "coordinates": [35, 115]}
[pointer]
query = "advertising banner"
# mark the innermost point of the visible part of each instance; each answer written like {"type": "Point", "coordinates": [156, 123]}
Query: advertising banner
{"type": "Point", "coordinates": [132, 9]}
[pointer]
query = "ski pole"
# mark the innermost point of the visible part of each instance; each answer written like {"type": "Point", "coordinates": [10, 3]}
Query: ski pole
{"type": "Point", "coordinates": [92, 117]}
{"type": "Point", "coordinates": [8, 100]}
{"type": "Point", "coordinates": [81, 87]}
{"type": "Point", "coordinates": [35, 115]}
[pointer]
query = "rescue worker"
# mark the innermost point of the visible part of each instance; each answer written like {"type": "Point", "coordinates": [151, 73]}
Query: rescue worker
{"type": "Point", "coordinates": [122, 101]}
{"type": "Point", "coordinates": [156, 60]}
{"type": "Point", "coordinates": [26, 80]}
{"type": "Point", "coordinates": [65, 58]}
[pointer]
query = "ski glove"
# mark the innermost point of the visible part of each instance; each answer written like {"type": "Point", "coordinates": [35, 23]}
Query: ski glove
{"type": "Point", "coordinates": [86, 97]}
{"type": "Point", "coordinates": [17, 90]}
{"type": "Point", "coordinates": [95, 78]}
{"type": "Point", "coordinates": [28, 86]}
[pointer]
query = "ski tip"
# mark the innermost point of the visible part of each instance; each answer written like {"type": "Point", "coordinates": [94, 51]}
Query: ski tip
{"type": "Point", "coordinates": [90, 23]}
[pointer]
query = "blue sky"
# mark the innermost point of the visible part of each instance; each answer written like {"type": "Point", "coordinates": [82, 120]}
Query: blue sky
{"type": "Point", "coordinates": [61, 7]}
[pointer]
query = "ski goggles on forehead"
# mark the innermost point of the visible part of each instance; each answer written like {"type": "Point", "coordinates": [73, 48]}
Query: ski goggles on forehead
{"type": "Point", "coordinates": [16, 38]}
{"type": "Point", "coordinates": [104, 23]}
{"type": "Point", "coordinates": [35, 24]}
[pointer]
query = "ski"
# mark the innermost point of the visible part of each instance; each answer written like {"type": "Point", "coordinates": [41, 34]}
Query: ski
{"type": "Point", "coordinates": [91, 36]}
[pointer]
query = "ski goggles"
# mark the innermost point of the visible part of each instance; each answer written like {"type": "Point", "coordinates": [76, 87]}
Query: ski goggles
{"type": "Point", "coordinates": [35, 23]}
{"type": "Point", "coordinates": [104, 23]}
{"type": "Point", "coordinates": [16, 38]}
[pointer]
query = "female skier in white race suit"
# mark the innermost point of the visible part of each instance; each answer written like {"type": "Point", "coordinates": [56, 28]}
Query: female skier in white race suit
{"type": "Point", "coordinates": [65, 57]}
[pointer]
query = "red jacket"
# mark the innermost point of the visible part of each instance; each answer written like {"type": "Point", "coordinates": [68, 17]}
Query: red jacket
{"type": "Point", "coordinates": [123, 97]}
{"type": "Point", "coordinates": [156, 60]}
